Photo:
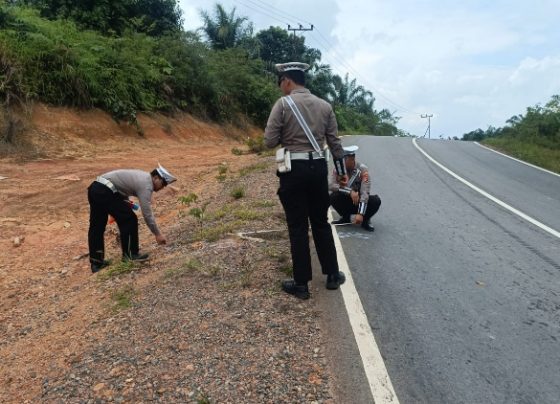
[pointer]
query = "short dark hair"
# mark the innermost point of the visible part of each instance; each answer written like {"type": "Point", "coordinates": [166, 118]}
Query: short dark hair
{"type": "Point", "coordinates": [155, 173]}
{"type": "Point", "coordinates": [297, 76]}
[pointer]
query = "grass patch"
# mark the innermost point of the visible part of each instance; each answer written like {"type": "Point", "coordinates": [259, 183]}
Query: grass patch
{"type": "Point", "coordinates": [247, 214]}
{"type": "Point", "coordinates": [193, 264]}
{"type": "Point", "coordinates": [120, 268]}
{"type": "Point", "coordinates": [257, 167]}
{"type": "Point", "coordinates": [287, 270]}
{"type": "Point", "coordinates": [256, 145]}
{"type": "Point", "coordinates": [237, 192]}
{"type": "Point", "coordinates": [536, 154]}
{"type": "Point", "coordinates": [189, 266]}
{"type": "Point", "coordinates": [216, 232]}
{"type": "Point", "coordinates": [220, 213]}
{"type": "Point", "coordinates": [245, 279]}
{"type": "Point", "coordinates": [264, 204]}
{"type": "Point", "coordinates": [223, 168]}
{"type": "Point", "coordinates": [237, 152]}
{"type": "Point", "coordinates": [280, 256]}
{"type": "Point", "coordinates": [123, 298]}
{"type": "Point", "coordinates": [240, 213]}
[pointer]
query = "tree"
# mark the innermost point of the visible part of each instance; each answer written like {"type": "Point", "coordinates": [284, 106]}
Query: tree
{"type": "Point", "coordinates": [348, 93]}
{"type": "Point", "coordinates": [277, 46]}
{"type": "Point", "coordinates": [321, 82]}
{"type": "Point", "coordinates": [152, 17]}
{"type": "Point", "coordinates": [225, 30]}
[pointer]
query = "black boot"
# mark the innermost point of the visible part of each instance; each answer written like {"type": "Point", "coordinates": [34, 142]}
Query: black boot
{"type": "Point", "coordinates": [335, 280]}
{"type": "Point", "coordinates": [366, 226]}
{"type": "Point", "coordinates": [98, 266]}
{"type": "Point", "coordinates": [136, 257]}
{"type": "Point", "coordinates": [299, 291]}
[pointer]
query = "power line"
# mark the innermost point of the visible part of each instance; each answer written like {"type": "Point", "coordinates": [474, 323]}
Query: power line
{"type": "Point", "coordinates": [278, 11]}
{"type": "Point", "coordinates": [261, 11]}
{"type": "Point", "coordinates": [267, 9]}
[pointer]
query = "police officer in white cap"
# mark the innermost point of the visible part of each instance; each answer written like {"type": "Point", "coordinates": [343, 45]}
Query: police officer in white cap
{"type": "Point", "coordinates": [108, 195]}
{"type": "Point", "coordinates": [302, 123]}
{"type": "Point", "coordinates": [352, 197]}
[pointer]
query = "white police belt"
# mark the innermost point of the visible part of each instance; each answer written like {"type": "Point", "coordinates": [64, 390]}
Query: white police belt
{"type": "Point", "coordinates": [107, 183]}
{"type": "Point", "coordinates": [306, 156]}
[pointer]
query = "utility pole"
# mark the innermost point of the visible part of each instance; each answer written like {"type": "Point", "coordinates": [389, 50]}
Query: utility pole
{"type": "Point", "coordinates": [427, 130]}
{"type": "Point", "coordinates": [298, 29]}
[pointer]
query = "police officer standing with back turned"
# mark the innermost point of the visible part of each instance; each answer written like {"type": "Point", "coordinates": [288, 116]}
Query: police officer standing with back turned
{"type": "Point", "coordinates": [353, 196]}
{"type": "Point", "coordinates": [108, 195]}
{"type": "Point", "coordinates": [304, 190]}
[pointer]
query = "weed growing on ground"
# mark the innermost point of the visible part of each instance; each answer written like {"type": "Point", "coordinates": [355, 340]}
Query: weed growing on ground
{"type": "Point", "coordinates": [245, 278]}
{"type": "Point", "coordinates": [193, 264]}
{"type": "Point", "coordinates": [199, 212]}
{"type": "Point", "coordinates": [188, 199]}
{"type": "Point", "coordinates": [247, 214]}
{"type": "Point", "coordinates": [120, 268]}
{"type": "Point", "coordinates": [264, 204]}
{"type": "Point", "coordinates": [237, 192]}
{"type": "Point", "coordinates": [256, 145]}
{"type": "Point", "coordinates": [257, 167]}
{"type": "Point", "coordinates": [123, 298]}
{"type": "Point", "coordinates": [287, 269]}
{"type": "Point", "coordinates": [222, 170]}
{"type": "Point", "coordinates": [217, 232]}
{"type": "Point", "coordinates": [280, 256]}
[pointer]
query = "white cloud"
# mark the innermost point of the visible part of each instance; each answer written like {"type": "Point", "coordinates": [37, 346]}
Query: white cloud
{"type": "Point", "coordinates": [471, 64]}
{"type": "Point", "coordinates": [458, 62]}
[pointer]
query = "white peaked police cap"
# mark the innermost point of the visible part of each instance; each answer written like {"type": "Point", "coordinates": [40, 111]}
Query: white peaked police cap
{"type": "Point", "coordinates": [166, 175]}
{"type": "Point", "coordinates": [285, 67]}
{"type": "Point", "coordinates": [350, 150]}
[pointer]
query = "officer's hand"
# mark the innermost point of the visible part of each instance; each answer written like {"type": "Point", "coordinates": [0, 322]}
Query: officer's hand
{"type": "Point", "coordinates": [160, 238]}
{"type": "Point", "coordinates": [355, 197]}
{"type": "Point", "coordinates": [358, 219]}
{"type": "Point", "coordinates": [342, 180]}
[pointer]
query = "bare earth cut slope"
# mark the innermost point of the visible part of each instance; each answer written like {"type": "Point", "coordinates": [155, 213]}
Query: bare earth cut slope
{"type": "Point", "coordinates": [203, 321]}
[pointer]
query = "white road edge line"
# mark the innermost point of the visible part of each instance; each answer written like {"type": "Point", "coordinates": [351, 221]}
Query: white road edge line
{"type": "Point", "coordinates": [487, 195]}
{"type": "Point", "coordinates": [519, 161]}
{"type": "Point", "coordinates": [379, 382]}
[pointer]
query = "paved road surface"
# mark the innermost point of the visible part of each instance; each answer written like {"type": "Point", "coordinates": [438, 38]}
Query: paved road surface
{"type": "Point", "coordinates": [463, 296]}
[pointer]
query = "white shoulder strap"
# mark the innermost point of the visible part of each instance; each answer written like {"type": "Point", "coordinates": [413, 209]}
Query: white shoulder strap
{"type": "Point", "coordinates": [303, 124]}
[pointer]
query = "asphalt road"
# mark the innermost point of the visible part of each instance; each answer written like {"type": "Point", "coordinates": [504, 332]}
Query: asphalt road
{"type": "Point", "coordinates": [462, 295]}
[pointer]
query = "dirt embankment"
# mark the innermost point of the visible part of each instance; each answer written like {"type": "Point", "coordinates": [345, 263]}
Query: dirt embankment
{"type": "Point", "coordinates": [203, 321]}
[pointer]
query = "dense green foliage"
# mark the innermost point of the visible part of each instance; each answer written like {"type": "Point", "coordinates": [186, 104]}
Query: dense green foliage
{"type": "Point", "coordinates": [127, 56]}
{"type": "Point", "coordinates": [152, 17]}
{"type": "Point", "coordinates": [534, 137]}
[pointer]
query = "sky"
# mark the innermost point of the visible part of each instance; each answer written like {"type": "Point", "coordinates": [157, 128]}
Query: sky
{"type": "Point", "coordinates": [470, 64]}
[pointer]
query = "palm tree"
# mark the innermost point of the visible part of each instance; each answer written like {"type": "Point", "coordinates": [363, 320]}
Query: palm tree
{"type": "Point", "coordinates": [225, 30]}
{"type": "Point", "coordinates": [321, 81]}
{"type": "Point", "coordinates": [348, 93]}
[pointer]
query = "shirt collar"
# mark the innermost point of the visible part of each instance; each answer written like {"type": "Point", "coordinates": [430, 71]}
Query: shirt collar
{"type": "Point", "coordinates": [302, 90]}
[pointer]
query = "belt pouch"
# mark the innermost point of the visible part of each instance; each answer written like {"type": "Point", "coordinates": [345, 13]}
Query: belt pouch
{"type": "Point", "coordinates": [283, 162]}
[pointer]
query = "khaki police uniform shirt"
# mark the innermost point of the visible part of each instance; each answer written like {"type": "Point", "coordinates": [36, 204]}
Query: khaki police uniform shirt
{"type": "Point", "coordinates": [136, 183]}
{"type": "Point", "coordinates": [361, 184]}
{"type": "Point", "coordinates": [283, 128]}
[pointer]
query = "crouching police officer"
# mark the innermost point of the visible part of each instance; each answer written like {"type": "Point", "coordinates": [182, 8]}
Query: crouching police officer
{"type": "Point", "coordinates": [302, 123]}
{"type": "Point", "coordinates": [108, 195]}
{"type": "Point", "coordinates": [352, 197]}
